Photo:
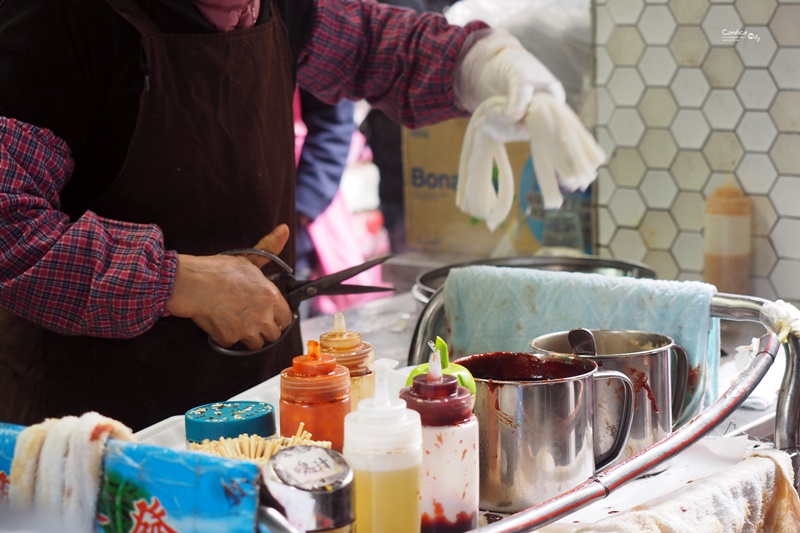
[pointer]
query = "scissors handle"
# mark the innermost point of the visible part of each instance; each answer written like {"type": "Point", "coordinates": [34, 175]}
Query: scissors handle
{"type": "Point", "coordinates": [233, 351]}
{"type": "Point", "coordinates": [240, 352]}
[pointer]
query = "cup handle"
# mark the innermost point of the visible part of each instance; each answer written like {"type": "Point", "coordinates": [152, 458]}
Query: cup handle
{"type": "Point", "coordinates": [680, 383]}
{"type": "Point", "coordinates": [625, 419]}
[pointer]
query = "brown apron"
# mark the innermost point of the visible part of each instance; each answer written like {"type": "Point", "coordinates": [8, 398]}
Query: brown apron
{"type": "Point", "coordinates": [211, 161]}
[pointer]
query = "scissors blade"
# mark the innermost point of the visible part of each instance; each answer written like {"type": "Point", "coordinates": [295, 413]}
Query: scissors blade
{"type": "Point", "coordinates": [346, 288]}
{"type": "Point", "coordinates": [332, 284]}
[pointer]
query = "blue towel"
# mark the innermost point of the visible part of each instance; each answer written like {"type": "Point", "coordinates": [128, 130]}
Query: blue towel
{"type": "Point", "coordinates": [492, 309]}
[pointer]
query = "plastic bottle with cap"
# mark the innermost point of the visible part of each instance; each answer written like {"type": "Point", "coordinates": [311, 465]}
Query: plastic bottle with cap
{"type": "Point", "coordinates": [351, 351]}
{"type": "Point", "coordinates": [315, 391]}
{"type": "Point", "coordinates": [383, 446]}
{"type": "Point", "coordinates": [726, 261]}
{"type": "Point", "coordinates": [449, 492]}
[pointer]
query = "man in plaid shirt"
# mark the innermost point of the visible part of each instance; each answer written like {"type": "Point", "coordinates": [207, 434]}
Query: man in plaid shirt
{"type": "Point", "coordinates": [141, 138]}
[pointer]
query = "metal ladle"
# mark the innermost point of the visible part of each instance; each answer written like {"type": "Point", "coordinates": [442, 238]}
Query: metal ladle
{"type": "Point", "coordinates": [582, 341]}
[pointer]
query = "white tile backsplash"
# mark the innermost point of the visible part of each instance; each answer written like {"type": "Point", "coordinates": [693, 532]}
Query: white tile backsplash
{"type": "Point", "coordinates": [657, 25]}
{"type": "Point", "coordinates": [756, 131]}
{"type": "Point", "coordinates": [690, 128]}
{"type": "Point", "coordinates": [689, 87]}
{"type": "Point", "coordinates": [694, 94]}
{"type": "Point", "coordinates": [756, 89]}
{"type": "Point", "coordinates": [785, 68]}
{"type": "Point", "coordinates": [756, 173]}
{"type": "Point", "coordinates": [758, 49]}
{"type": "Point", "coordinates": [657, 66]}
{"type": "Point", "coordinates": [658, 189]}
{"type": "Point", "coordinates": [627, 207]}
{"type": "Point", "coordinates": [658, 230]}
{"type": "Point", "coordinates": [785, 24]}
{"type": "Point", "coordinates": [723, 109]}
{"type": "Point", "coordinates": [785, 196]}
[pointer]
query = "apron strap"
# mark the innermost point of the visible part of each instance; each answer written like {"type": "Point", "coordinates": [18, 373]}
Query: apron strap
{"type": "Point", "coordinates": [131, 12]}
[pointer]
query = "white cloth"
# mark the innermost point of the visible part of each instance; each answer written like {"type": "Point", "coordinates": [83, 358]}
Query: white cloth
{"type": "Point", "coordinates": [475, 193]}
{"type": "Point", "coordinates": [57, 468]}
{"type": "Point", "coordinates": [756, 495]}
{"type": "Point", "coordinates": [785, 316]}
{"type": "Point", "coordinates": [565, 156]}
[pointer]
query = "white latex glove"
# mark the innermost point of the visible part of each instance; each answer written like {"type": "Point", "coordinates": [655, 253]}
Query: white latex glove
{"type": "Point", "coordinates": [498, 65]}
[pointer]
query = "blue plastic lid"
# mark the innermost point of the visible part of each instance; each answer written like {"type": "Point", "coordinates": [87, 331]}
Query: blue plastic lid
{"type": "Point", "coordinates": [229, 419]}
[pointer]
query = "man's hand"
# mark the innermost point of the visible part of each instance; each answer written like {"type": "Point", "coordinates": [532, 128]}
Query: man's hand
{"type": "Point", "coordinates": [498, 65]}
{"type": "Point", "coordinates": [229, 297]}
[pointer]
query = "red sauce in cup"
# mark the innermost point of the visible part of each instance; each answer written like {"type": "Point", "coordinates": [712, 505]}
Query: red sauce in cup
{"type": "Point", "coordinates": [521, 366]}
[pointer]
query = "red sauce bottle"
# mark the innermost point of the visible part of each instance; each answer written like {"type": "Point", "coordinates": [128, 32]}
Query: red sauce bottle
{"type": "Point", "coordinates": [316, 392]}
{"type": "Point", "coordinates": [449, 493]}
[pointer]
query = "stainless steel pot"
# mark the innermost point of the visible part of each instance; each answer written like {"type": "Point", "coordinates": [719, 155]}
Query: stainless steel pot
{"type": "Point", "coordinates": [427, 289]}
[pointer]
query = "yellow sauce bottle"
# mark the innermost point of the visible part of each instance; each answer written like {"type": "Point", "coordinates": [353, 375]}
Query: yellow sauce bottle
{"type": "Point", "coordinates": [383, 446]}
{"type": "Point", "coordinates": [351, 352]}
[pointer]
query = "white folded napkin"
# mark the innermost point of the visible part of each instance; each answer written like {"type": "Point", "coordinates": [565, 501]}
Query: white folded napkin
{"type": "Point", "coordinates": [565, 156]}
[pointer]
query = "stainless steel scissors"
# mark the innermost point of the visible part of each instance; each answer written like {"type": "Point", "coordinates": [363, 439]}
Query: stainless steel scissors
{"type": "Point", "coordinates": [296, 291]}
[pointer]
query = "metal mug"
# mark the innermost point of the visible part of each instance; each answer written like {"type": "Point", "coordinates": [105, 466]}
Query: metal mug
{"type": "Point", "coordinates": [536, 425]}
{"type": "Point", "coordinates": [659, 389]}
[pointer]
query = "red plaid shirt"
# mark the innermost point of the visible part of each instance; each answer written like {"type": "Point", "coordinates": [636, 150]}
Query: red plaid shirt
{"type": "Point", "coordinates": [109, 278]}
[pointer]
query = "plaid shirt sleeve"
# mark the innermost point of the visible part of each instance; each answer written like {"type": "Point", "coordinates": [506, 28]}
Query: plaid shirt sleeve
{"type": "Point", "coordinates": [94, 276]}
{"type": "Point", "coordinates": [401, 62]}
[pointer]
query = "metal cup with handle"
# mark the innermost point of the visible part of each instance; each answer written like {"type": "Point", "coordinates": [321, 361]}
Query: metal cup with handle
{"type": "Point", "coordinates": [657, 367]}
{"type": "Point", "coordinates": [535, 417]}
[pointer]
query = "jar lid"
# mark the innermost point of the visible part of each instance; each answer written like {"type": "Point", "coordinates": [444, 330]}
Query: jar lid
{"type": "Point", "coordinates": [299, 474]}
{"type": "Point", "coordinates": [229, 419]}
{"type": "Point", "coordinates": [313, 363]}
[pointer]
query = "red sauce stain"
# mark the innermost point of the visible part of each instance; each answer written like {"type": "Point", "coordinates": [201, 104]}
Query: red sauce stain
{"type": "Point", "coordinates": [440, 524]}
{"type": "Point", "coordinates": [693, 378]}
{"type": "Point", "coordinates": [639, 380]}
{"type": "Point", "coordinates": [683, 509]}
{"type": "Point", "coordinates": [100, 430]}
{"type": "Point", "coordinates": [613, 512]}
{"type": "Point", "coordinates": [520, 366]}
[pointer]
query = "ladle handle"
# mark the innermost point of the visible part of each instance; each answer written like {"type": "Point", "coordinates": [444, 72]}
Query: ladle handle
{"type": "Point", "coordinates": [625, 419]}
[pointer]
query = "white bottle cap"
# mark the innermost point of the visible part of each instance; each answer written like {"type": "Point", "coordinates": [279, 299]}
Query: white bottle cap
{"type": "Point", "coordinates": [382, 424]}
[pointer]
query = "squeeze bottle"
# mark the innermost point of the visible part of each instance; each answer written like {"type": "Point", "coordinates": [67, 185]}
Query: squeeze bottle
{"type": "Point", "coordinates": [358, 356]}
{"type": "Point", "coordinates": [316, 391]}
{"type": "Point", "coordinates": [383, 446]}
{"type": "Point", "coordinates": [726, 261]}
{"type": "Point", "coordinates": [449, 493]}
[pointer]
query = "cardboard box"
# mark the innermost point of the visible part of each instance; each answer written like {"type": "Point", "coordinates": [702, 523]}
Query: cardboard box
{"type": "Point", "coordinates": [434, 223]}
{"type": "Point", "coordinates": [430, 175]}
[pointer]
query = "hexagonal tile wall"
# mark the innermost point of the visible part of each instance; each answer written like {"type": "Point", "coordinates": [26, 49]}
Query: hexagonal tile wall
{"type": "Point", "coordinates": [693, 94]}
{"type": "Point", "coordinates": [658, 189]}
{"type": "Point", "coordinates": [723, 109]}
